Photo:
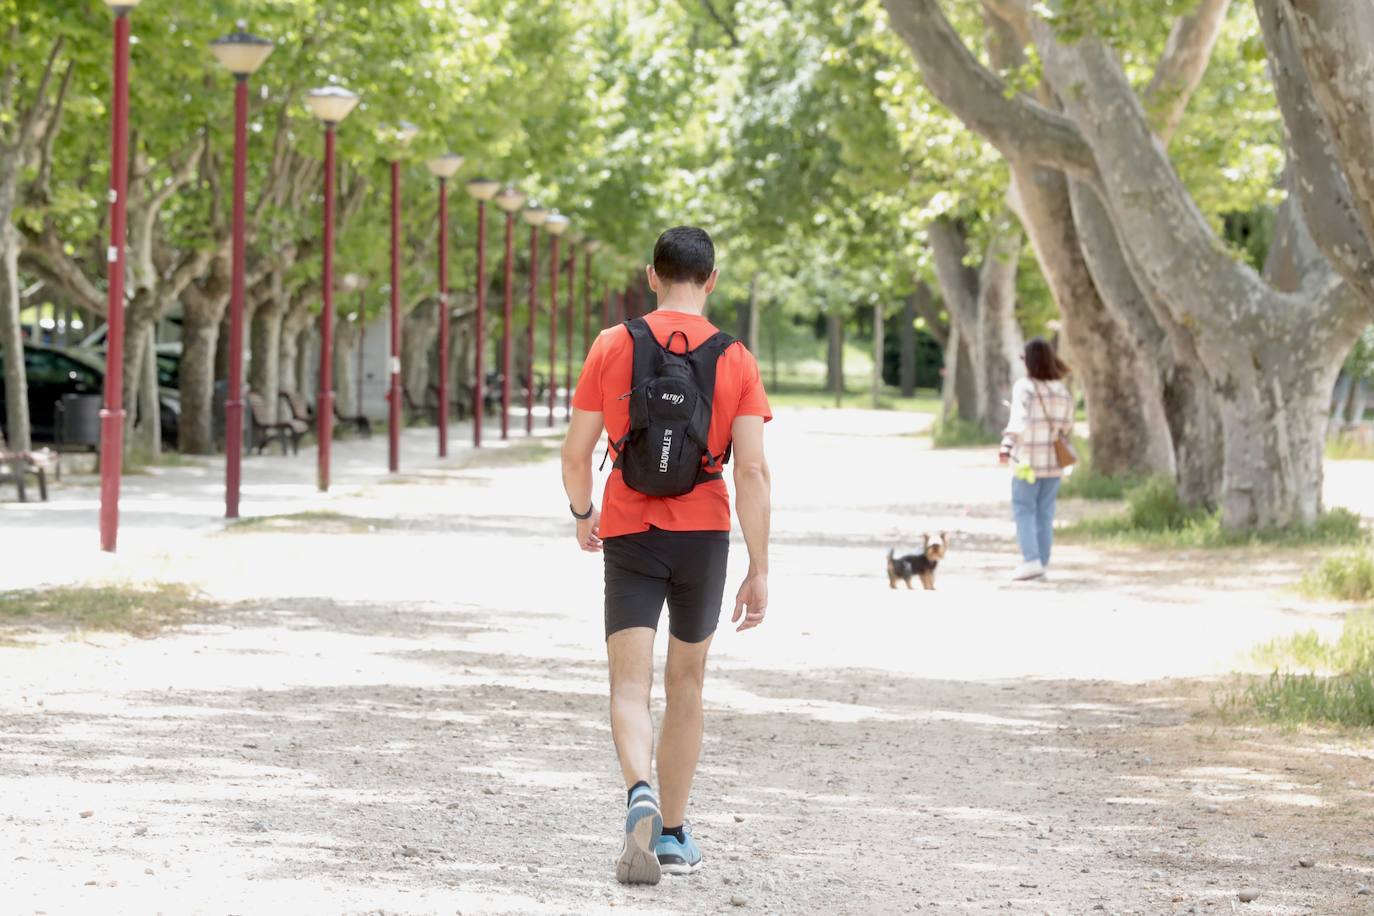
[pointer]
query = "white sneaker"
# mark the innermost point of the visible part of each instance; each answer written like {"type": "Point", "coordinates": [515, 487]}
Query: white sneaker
{"type": "Point", "coordinates": [1031, 570]}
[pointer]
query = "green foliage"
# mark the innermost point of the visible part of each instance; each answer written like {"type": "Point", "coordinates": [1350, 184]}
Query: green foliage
{"type": "Point", "coordinates": [1349, 577]}
{"type": "Point", "coordinates": [1155, 516]}
{"type": "Point", "coordinates": [1086, 483]}
{"type": "Point", "coordinates": [1360, 363]}
{"type": "Point", "coordinates": [139, 610]}
{"type": "Point", "coordinates": [953, 432]}
{"type": "Point", "coordinates": [1346, 447]}
{"type": "Point", "coordinates": [1316, 681]}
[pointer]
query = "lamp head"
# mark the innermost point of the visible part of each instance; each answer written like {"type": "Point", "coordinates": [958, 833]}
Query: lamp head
{"type": "Point", "coordinates": [510, 199]}
{"type": "Point", "coordinates": [120, 7]}
{"type": "Point", "coordinates": [331, 104]}
{"type": "Point", "coordinates": [535, 215]}
{"type": "Point", "coordinates": [556, 223]}
{"type": "Point", "coordinates": [240, 52]}
{"type": "Point", "coordinates": [445, 166]}
{"type": "Point", "coordinates": [483, 188]}
{"type": "Point", "coordinates": [403, 133]}
{"type": "Point", "coordinates": [591, 246]}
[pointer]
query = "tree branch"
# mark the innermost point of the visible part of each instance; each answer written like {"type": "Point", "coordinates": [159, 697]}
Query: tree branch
{"type": "Point", "coordinates": [44, 254]}
{"type": "Point", "coordinates": [29, 124]}
{"type": "Point", "coordinates": [722, 22]}
{"type": "Point", "coordinates": [1327, 199]}
{"type": "Point", "coordinates": [1336, 44]}
{"type": "Point", "coordinates": [1015, 124]}
{"type": "Point", "coordinates": [1182, 66]}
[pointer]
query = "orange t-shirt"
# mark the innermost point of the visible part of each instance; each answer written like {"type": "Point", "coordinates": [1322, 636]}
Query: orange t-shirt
{"type": "Point", "coordinates": [606, 377]}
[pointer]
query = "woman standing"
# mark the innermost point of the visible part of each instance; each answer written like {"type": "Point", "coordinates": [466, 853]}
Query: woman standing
{"type": "Point", "coordinates": [1041, 409]}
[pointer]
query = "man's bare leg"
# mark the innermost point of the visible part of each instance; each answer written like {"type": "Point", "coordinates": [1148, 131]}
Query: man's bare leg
{"type": "Point", "coordinates": [631, 656]}
{"type": "Point", "coordinates": [680, 743]}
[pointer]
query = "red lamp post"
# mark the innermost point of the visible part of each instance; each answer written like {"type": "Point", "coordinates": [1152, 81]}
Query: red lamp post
{"type": "Point", "coordinates": [590, 247]}
{"type": "Point", "coordinates": [510, 201]}
{"type": "Point", "coordinates": [536, 216]}
{"type": "Point", "coordinates": [242, 54]}
{"type": "Point", "coordinates": [403, 134]}
{"type": "Point", "coordinates": [574, 240]}
{"type": "Point", "coordinates": [330, 105]}
{"type": "Point", "coordinates": [482, 190]}
{"type": "Point", "coordinates": [443, 168]}
{"type": "Point", "coordinates": [112, 414]}
{"type": "Point", "coordinates": [555, 225]}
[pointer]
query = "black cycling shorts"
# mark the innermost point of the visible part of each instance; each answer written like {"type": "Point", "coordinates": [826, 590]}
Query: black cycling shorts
{"type": "Point", "coordinates": [685, 568]}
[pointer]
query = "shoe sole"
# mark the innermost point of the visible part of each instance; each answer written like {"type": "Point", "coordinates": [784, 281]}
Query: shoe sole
{"type": "Point", "coordinates": [638, 863]}
{"type": "Point", "coordinates": [677, 869]}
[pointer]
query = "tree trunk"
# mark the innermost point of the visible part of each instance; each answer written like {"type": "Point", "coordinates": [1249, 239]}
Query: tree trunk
{"type": "Point", "coordinates": [878, 353]}
{"type": "Point", "coordinates": [907, 336]}
{"type": "Point", "coordinates": [17, 429]}
{"type": "Point", "coordinates": [291, 359]}
{"type": "Point", "coordinates": [200, 334]}
{"type": "Point", "coordinates": [139, 322]}
{"type": "Point", "coordinates": [953, 369]}
{"type": "Point", "coordinates": [999, 337]}
{"type": "Point", "coordinates": [345, 367]}
{"type": "Point", "coordinates": [264, 371]}
{"type": "Point", "coordinates": [1130, 433]}
{"type": "Point", "coordinates": [150, 401]}
{"type": "Point", "coordinates": [751, 339]}
{"type": "Point", "coordinates": [834, 363]}
{"type": "Point", "coordinates": [966, 382]}
{"type": "Point", "coordinates": [417, 356]}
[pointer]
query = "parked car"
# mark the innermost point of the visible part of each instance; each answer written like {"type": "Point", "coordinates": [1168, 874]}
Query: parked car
{"type": "Point", "coordinates": [53, 372]}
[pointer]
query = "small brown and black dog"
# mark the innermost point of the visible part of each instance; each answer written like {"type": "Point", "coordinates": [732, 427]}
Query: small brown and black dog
{"type": "Point", "coordinates": [920, 565]}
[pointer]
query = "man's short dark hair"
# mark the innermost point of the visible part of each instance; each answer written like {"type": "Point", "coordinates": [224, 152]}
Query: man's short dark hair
{"type": "Point", "coordinates": [684, 254]}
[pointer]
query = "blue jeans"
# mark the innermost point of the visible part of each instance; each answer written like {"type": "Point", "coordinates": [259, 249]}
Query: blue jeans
{"type": "Point", "coordinates": [1032, 505]}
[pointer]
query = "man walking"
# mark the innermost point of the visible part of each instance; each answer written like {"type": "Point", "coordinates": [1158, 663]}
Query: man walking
{"type": "Point", "coordinates": [675, 397]}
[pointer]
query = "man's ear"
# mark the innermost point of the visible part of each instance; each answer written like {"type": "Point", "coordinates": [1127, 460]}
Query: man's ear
{"type": "Point", "coordinates": [653, 277]}
{"type": "Point", "coordinates": [711, 282]}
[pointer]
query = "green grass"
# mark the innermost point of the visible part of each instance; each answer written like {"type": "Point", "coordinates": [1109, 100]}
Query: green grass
{"type": "Point", "coordinates": [1155, 517]}
{"type": "Point", "coordinates": [1086, 483]}
{"type": "Point", "coordinates": [1349, 448]}
{"type": "Point", "coordinates": [318, 522]}
{"type": "Point", "coordinates": [141, 611]}
{"type": "Point", "coordinates": [802, 394]}
{"type": "Point", "coordinates": [138, 461]}
{"type": "Point", "coordinates": [953, 432]}
{"type": "Point", "coordinates": [1349, 577]}
{"type": "Point", "coordinates": [1315, 681]}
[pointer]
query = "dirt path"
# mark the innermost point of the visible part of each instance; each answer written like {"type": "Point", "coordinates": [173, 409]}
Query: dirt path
{"type": "Point", "coordinates": [412, 719]}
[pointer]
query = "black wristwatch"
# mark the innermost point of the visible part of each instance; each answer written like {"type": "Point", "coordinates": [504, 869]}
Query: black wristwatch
{"type": "Point", "coordinates": [584, 515]}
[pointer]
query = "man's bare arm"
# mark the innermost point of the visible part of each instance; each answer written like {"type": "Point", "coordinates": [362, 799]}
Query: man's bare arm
{"type": "Point", "coordinates": [753, 505]}
{"type": "Point", "coordinates": [578, 446]}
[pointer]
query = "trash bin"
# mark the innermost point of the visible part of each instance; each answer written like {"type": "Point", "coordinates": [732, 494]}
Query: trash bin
{"type": "Point", "coordinates": [78, 422]}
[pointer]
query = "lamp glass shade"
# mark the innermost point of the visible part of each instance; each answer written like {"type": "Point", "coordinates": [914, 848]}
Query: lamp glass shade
{"type": "Point", "coordinates": [556, 224]}
{"type": "Point", "coordinates": [510, 199]}
{"type": "Point", "coordinates": [591, 246]}
{"type": "Point", "coordinates": [535, 215]}
{"type": "Point", "coordinates": [483, 188]}
{"type": "Point", "coordinates": [404, 132]}
{"type": "Point", "coordinates": [332, 103]}
{"type": "Point", "coordinates": [121, 4]}
{"type": "Point", "coordinates": [445, 166]}
{"type": "Point", "coordinates": [241, 53]}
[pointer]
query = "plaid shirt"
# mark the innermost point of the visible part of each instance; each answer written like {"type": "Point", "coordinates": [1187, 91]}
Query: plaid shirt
{"type": "Point", "coordinates": [1030, 433]}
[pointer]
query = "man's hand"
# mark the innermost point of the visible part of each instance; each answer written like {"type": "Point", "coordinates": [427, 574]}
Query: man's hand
{"type": "Point", "coordinates": [752, 602]}
{"type": "Point", "coordinates": [589, 531]}
{"type": "Point", "coordinates": [1003, 458]}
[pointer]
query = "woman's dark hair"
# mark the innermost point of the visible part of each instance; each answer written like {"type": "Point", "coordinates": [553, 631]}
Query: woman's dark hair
{"type": "Point", "coordinates": [1042, 363]}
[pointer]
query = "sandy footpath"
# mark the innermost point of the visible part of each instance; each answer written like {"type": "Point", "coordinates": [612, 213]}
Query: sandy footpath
{"type": "Point", "coordinates": [411, 719]}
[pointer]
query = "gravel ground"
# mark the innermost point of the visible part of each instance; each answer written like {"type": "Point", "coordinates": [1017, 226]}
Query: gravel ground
{"type": "Point", "coordinates": [411, 719]}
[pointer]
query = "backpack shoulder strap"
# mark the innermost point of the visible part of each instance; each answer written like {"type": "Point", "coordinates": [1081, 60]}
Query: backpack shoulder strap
{"type": "Point", "coordinates": [646, 351]}
{"type": "Point", "coordinates": [706, 356]}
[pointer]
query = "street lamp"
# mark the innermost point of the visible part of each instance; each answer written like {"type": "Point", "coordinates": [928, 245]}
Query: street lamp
{"type": "Point", "coordinates": [589, 248]}
{"type": "Point", "coordinates": [112, 414]}
{"type": "Point", "coordinates": [481, 190]}
{"type": "Point", "coordinates": [443, 168]}
{"type": "Point", "coordinates": [511, 201]}
{"type": "Point", "coordinates": [555, 225]}
{"type": "Point", "coordinates": [330, 105]}
{"type": "Point", "coordinates": [242, 54]}
{"type": "Point", "coordinates": [402, 134]}
{"type": "Point", "coordinates": [536, 216]}
{"type": "Point", "coordinates": [574, 244]}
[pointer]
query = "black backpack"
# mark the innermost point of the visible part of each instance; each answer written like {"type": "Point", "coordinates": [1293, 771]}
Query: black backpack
{"type": "Point", "coordinates": [665, 453]}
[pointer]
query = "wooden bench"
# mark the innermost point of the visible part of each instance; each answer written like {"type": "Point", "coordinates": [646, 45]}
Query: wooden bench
{"type": "Point", "coordinates": [15, 467]}
{"type": "Point", "coordinates": [265, 431]}
{"type": "Point", "coordinates": [298, 406]}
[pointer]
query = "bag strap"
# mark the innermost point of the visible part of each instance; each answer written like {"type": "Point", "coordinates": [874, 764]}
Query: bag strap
{"type": "Point", "coordinates": [1048, 416]}
{"type": "Point", "coordinates": [646, 352]}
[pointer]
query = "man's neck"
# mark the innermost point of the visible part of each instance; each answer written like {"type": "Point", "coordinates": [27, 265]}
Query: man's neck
{"type": "Point", "coordinates": [692, 304]}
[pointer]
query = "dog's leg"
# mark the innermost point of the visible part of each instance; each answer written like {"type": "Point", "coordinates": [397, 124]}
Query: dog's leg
{"type": "Point", "coordinates": [928, 580]}
{"type": "Point", "coordinates": [909, 585]}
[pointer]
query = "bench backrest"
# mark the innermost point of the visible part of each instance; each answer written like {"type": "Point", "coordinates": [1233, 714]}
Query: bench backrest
{"type": "Point", "coordinates": [299, 409]}
{"type": "Point", "coordinates": [258, 407]}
